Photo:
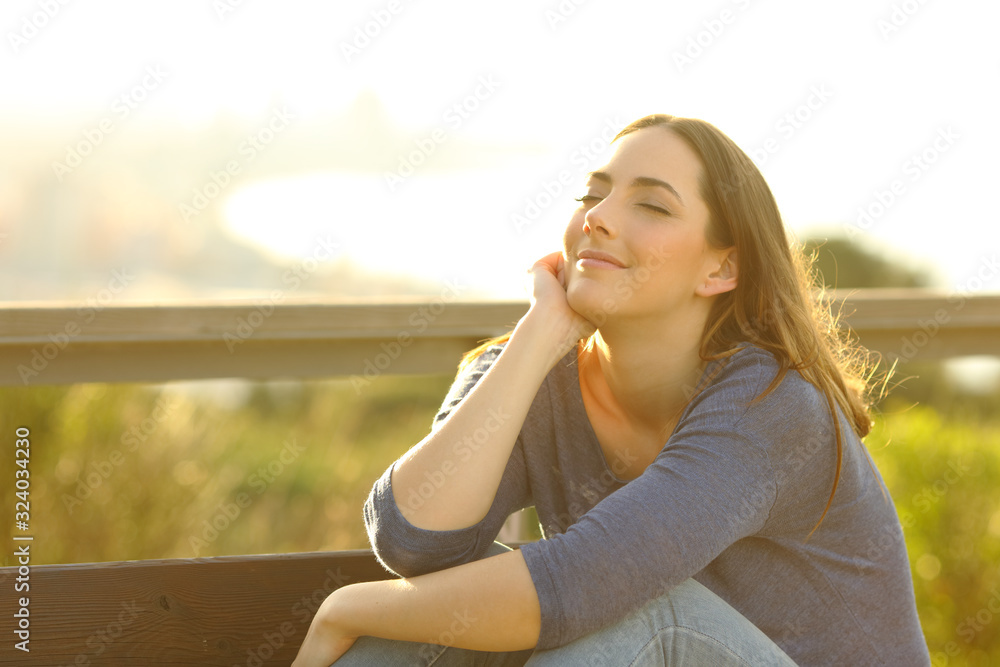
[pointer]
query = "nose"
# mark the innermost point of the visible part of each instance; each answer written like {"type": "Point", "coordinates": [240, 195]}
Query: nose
{"type": "Point", "coordinates": [596, 220]}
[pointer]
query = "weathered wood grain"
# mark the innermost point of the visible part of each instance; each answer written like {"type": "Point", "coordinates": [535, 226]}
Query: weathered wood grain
{"type": "Point", "coordinates": [238, 610]}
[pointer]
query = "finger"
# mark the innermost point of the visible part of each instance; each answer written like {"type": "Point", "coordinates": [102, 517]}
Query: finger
{"type": "Point", "coordinates": [544, 264]}
{"type": "Point", "coordinates": [551, 260]}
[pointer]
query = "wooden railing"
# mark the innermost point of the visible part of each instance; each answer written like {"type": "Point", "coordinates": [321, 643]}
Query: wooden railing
{"type": "Point", "coordinates": [254, 610]}
{"type": "Point", "coordinates": [60, 343]}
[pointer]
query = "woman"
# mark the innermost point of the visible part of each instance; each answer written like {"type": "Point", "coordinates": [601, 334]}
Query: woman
{"type": "Point", "coordinates": [684, 419]}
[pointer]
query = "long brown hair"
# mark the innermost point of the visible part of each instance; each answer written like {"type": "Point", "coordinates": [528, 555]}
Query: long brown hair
{"type": "Point", "coordinates": [776, 304]}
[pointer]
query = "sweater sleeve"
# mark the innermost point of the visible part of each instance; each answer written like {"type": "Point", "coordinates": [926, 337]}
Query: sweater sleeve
{"type": "Point", "coordinates": [711, 485]}
{"type": "Point", "coordinates": [407, 550]}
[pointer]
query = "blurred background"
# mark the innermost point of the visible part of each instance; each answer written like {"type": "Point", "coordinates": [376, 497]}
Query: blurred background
{"type": "Point", "coordinates": [224, 149]}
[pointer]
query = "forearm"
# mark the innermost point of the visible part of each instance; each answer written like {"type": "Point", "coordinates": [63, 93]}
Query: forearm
{"type": "Point", "coordinates": [456, 470]}
{"type": "Point", "coordinates": [485, 605]}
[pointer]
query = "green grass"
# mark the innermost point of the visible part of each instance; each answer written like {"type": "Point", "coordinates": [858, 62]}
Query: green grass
{"type": "Point", "coordinates": [132, 472]}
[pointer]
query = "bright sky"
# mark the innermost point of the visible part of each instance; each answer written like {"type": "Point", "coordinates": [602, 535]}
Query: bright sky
{"type": "Point", "coordinates": [835, 102]}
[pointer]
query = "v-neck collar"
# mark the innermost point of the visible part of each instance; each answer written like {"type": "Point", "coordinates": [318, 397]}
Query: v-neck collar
{"type": "Point", "coordinates": [570, 365]}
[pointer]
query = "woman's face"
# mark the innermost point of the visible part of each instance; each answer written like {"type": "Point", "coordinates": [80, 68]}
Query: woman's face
{"type": "Point", "coordinates": [643, 209]}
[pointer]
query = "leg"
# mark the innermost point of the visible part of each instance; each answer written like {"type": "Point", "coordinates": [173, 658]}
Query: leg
{"type": "Point", "coordinates": [378, 652]}
{"type": "Point", "coordinates": [690, 625]}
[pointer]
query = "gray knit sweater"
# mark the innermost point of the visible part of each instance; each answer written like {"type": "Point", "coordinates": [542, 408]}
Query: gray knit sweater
{"type": "Point", "coordinates": [729, 501]}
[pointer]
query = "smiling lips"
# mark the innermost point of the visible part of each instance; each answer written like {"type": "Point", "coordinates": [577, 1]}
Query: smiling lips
{"type": "Point", "coordinates": [595, 259]}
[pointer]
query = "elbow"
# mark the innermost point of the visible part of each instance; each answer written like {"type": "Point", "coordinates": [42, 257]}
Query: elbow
{"type": "Point", "coordinates": [399, 562]}
{"type": "Point", "coordinates": [406, 550]}
{"type": "Point", "coordinates": [387, 546]}
{"type": "Point", "coordinates": [404, 554]}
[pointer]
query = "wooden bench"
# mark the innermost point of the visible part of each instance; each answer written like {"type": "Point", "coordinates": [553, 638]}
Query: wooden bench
{"type": "Point", "coordinates": [225, 611]}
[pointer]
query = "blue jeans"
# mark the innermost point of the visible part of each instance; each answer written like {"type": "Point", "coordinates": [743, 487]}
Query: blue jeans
{"type": "Point", "coordinates": [690, 625]}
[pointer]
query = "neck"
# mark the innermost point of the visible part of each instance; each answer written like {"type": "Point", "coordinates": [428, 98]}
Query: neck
{"type": "Point", "coordinates": [645, 371]}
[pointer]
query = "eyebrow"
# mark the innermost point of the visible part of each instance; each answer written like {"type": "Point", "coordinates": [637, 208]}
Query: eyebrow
{"type": "Point", "coordinates": [639, 182]}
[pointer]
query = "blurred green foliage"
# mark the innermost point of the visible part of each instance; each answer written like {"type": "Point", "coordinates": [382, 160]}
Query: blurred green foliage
{"type": "Point", "coordinates": [844, 264]}
{"type": "Point", "coordinates": [131, 472]}
{"type": "Point", "coordinates": [290, 468]}
{"type": "Point", "coordinates": [943, 474]}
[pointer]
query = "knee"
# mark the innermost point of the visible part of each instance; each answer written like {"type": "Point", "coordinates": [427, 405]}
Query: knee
{"type": "Point", "coordinates": [687, 604]}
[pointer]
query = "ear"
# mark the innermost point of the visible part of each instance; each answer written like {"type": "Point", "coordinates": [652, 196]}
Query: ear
{"type": "Point", "coordinates": [723, 275]}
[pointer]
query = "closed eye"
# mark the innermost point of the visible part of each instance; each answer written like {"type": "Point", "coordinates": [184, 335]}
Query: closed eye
{"type": "Point", "coordinates": [587, 199]}
{"type": "Point", "coordinates": [657, 209]}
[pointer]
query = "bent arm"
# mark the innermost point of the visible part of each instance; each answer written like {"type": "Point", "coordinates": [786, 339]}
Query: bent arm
{"type": "Point", "coordinates": [464, 459]}
{"type": "Point", "coordinates": [485, 605]}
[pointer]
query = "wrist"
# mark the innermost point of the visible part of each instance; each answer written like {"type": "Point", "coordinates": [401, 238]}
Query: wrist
{"type": "Point", "coordinates": [535, 341]}
{"type": "Point", "coordinates": [550, 334]}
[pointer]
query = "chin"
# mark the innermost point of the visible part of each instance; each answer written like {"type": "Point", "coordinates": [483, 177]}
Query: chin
{"type": "Point", "coordinates": [591, 300]}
